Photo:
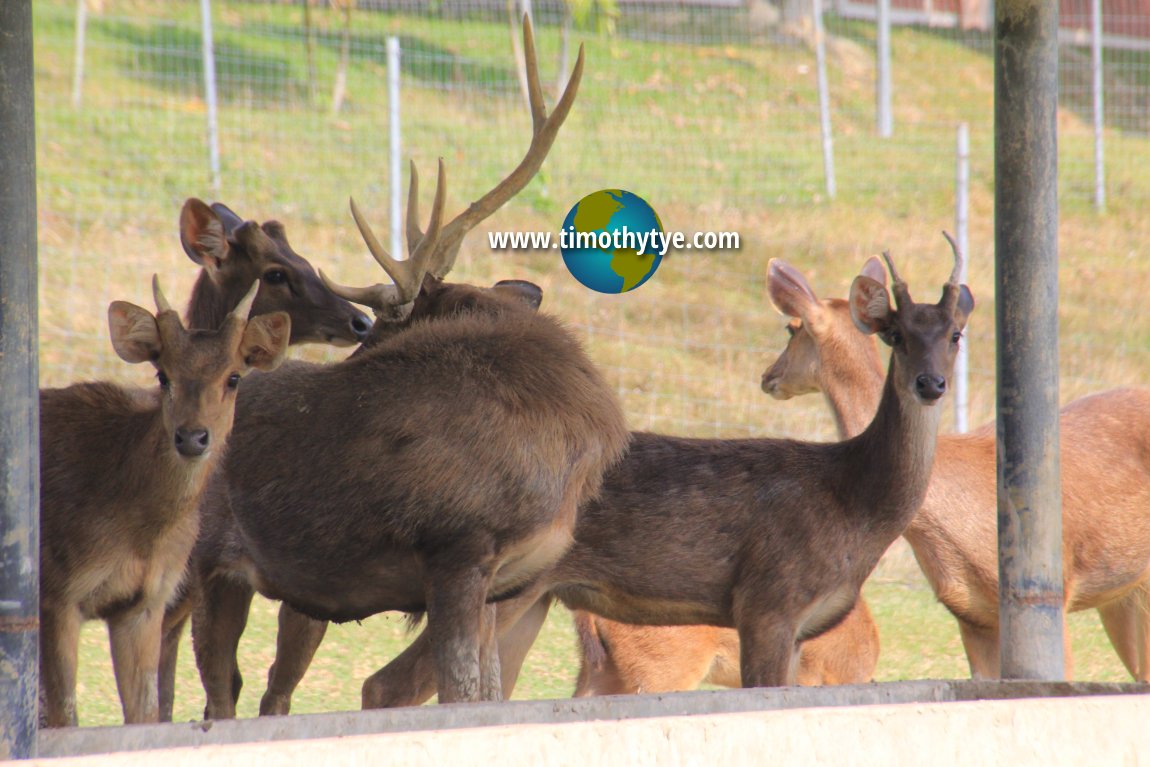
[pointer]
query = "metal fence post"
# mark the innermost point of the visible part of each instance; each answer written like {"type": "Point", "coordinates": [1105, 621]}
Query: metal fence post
{"type": "Point", "coordinates": [961, 220]}
{"type": "Point", "coordinates": [78, 61]}
{"type": "Point", "coordinates": [19, 390]}
{"type": "Point", "coordinates": [1026, 275]}
{"type": "Point", "coordinates": [1099, 114]}
{"type": "Point", "coordinates": [882, 71]}
{"type": "Point", "coordinates": [393, 148]}
{"type": "Point", "coordinates": [824, 98]}
{"type": "Point", "coordinates": [210, 98]}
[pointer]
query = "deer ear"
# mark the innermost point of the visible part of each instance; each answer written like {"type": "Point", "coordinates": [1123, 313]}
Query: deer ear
{"type": "Point", "coordinates": [874, 269]}
{"type": "Point", "coordinates": [229, 219]}
{"type": "Point", "coordinates": [203, 237]}
{"type": "Point", "coordinates": [788, 289]}
{"type": "Point", "coordinates": [964, 306]}
{"type": "Point", "coordinates": [135, 334]}
{"type": "Point", "coordinates": [870, 304]}
{"type": "Point", "coordinates": [265, 340]}
{"type": "Point", "coordinates": [527, 292]}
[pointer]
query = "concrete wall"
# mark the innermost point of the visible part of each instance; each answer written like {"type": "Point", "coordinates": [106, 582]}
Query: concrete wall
{"type": "Point", "coordinates": [939, 723]}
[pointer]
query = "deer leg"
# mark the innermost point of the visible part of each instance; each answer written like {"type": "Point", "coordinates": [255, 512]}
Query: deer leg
{"type": "Point", "coordinates": [173, 632]}
{"type": "Point", "coordinates": [218, 622]}
{"type": "Point", "coordinates": [1125, 621]}
{"type": "Point", "coordinates": [490, 678]}
{"type": "Point", "coordinates": [769, 650]}
{"type": "Point", "coordinates": [59, 648]}
{"type": "Point", "coordinates": [981, 645]}
{"type": "Point", "coordinates": [296, 642]}
{"type": "Point", "coordinates": [516, 638]}
{"type": "Point", "coordinates": [455, 605]}
{"type": "Point", "coordinates": [135, 636]}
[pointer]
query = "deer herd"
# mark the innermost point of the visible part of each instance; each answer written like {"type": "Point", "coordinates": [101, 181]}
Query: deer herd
{"type": "Point", "coordinates": [477, 468]}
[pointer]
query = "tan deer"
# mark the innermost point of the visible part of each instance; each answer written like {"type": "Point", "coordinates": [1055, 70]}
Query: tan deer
{"type": "Point", "coordinates": [1105, 459]}
{"type": "Point", "coordinates": [458, 449]}
{"type": "Point", "coordinates": [771, 537]}
{"type": "Point", "coordinates": [121, 471]}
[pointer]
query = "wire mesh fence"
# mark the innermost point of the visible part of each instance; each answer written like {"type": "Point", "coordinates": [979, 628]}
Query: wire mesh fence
{"type": "Point", "coordinates": [709, 110]}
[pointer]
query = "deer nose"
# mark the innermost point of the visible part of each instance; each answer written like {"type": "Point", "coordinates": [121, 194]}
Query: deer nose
{"type": "Point", "coordinates": [360, 325]}
{"type": "Point", "coordinates": [192, 442]}
{"type": "Point", "coordinates": [930, 387]}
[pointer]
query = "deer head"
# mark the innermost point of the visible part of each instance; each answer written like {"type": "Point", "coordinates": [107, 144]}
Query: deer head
{"type": "Point", "coordinates": [198, 370]}
{"type": "Point", "coordinates": [234, 253]}
{"type": "Point", "coordinates": [919, 364]}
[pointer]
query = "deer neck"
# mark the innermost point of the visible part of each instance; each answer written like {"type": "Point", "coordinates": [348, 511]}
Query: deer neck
{"type": "Point", "coordinates": [852, 391]}
{"type": "Point", "coordinates": [892, 458]}
{"type": "Point", "coordinates": [207, 308]}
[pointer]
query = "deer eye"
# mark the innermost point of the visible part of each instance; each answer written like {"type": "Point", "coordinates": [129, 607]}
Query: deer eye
{"type": "Point", "coordinates": [233, 380]}
{"type": "Point", "coordinates": [956, 337]}
{"type": "Point", "coordinates": [165, 383]}
{"type": "Point", "coordinates": [275, 277]}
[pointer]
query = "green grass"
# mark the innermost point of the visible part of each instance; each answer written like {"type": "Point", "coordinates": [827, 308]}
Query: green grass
{"type": "Point", "coordinates": [719, 135]}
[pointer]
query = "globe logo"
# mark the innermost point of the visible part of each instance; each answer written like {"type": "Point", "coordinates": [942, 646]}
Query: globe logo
{"type": "Point", "coordinates": [612, 241]}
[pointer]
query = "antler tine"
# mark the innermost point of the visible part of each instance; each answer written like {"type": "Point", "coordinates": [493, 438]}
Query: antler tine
{"type": "Point", "coordinates": [545, 129]}
{"type": "Point", "coordinates": [956, 272]}
{"type": "Point", "coordinates": [402, 273]}
{"type": "Point", "coordinates": [244, 307]}
{"type": "Point", "coordinates": [414, 233]}
{"type": "Point", "coordinates": [162, 304]}
{"type": "Point", "coordinates": [426, 245]}
{"type": "Point", "coordinates": [897, 284]}
{"type": "Point", "coordinates": [377, 297]}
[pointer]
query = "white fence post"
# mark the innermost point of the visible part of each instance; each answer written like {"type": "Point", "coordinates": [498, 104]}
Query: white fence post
{"type": "Point", "coordinates": [882, 71]}
{"type": "Point", "coordinates": [1099, 116]}
{"type": "Point", "coordinates": [210, 94]}
{"type": "Point", "coordinates": [393, 146]}
{"type": "Point", "coordinates": [81, 37]}
{"type": "Point", "coordinates": [824, 97]}
{"type": "Point", "coordinates": [961, 216]}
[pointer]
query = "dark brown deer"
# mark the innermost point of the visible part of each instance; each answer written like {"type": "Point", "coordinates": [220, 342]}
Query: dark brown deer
{"type": "Point", "coordinates": [121, 473]}
{"type": "Point", "coordinates": [233, 253]}
{"type": "Point", "coordinates": [618, 658]}
{"type": "Point", "coordinates": [483, 433]}
{"type": "Point", "coordinates": [771, 537]}
{"type": "Point", "coordinates": [1105, 463]}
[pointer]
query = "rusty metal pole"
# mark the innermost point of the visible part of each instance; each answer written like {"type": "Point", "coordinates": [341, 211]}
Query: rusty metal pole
{"type": "Point", "coordinates": [19, 389]}
{"type": "Point", "coordinates": [1026, 274]}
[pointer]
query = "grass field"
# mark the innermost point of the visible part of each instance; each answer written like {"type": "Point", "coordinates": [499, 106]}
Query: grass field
{"type": "Point", "coordinates": [728, 141]}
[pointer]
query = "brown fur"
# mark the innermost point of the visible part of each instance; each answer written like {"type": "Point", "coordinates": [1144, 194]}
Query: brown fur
{"type": "Point", "coordinates": [465, 446]}
{"type": "Point", "coordinates": [1105, 443]}
{"type": "Point", "coordinates": [771, 537]}
{"type": "Point", "coordinates": [118, 500]}
{"type": "Point", "coordinates": [235, 253]}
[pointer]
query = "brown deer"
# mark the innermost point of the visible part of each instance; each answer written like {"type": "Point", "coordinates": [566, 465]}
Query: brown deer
{"type": "Point", "coordinates": [771, 537]}
{"type": "Point", "coordinates": [233, 253]}
{"type": "Point", "coordinates": [1105, 461]}
{"type": "Point", "coordinates": [121, 473]}
{"type": "Point", "coordinates": [455, 451]}
{"type": "Point", "coordinates": [618, 658]}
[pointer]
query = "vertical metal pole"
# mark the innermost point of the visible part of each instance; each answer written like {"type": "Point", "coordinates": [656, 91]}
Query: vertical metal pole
{"type": "Point", "coordinates": [210, 98]}
{"type": "Point", "coordinates": [1026, 275]}
{"type": "Point", "coordinates": [78, 65]}
{"type": "Point", "coordinates": [961, 220]}
{"type": "Point", "coordinates": [824, 97]}
{"type": "Point", "coordinates": [393, 148]}
{"type": "Point", "coordinates": [19, 390]}
{"type": "Point", "coordinates": [885, 120]}
{"type": "Point", "coordinates": [1099, 115]}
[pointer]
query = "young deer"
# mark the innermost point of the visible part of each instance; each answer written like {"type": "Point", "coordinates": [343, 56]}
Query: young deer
{"type": "Point", "coordinates": [233, 253]}
{"type": "Point", "coordinates": [1105, 486]}
{"type": "Point", "coordinates": [771, 537]}
{"type": "Point", "coordinates": [493, 427]}
{"type": "Point", "coordinates": [618, 658]}
{"type": "Point", "coordinates": [121, 473]}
